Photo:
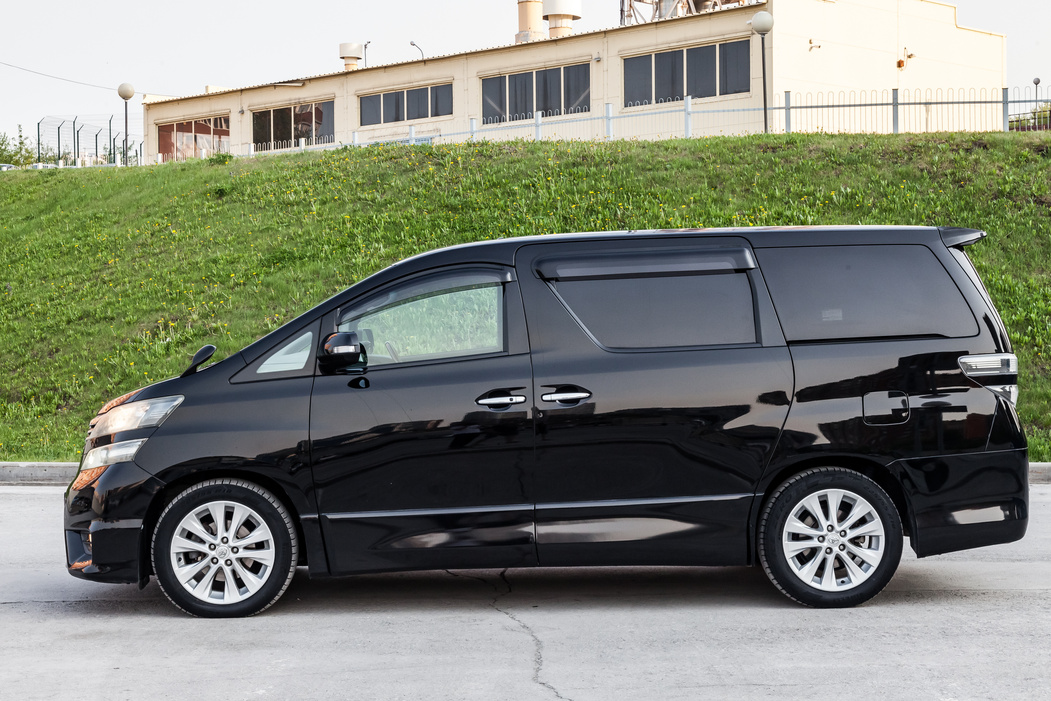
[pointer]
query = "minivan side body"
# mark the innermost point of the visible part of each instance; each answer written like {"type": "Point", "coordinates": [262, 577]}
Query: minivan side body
{"type": "Point", "coordinates": [589, 399]}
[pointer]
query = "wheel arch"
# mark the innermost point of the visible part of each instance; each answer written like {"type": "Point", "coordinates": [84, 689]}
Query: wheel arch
{"type": "Point", "coordinates": [879, 473]}
{"type": "Point", "coordinates": [196, 476]}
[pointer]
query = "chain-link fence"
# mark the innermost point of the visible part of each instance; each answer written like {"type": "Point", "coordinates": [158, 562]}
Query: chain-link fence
{"type": "Point", "coordinates": [85, 140]}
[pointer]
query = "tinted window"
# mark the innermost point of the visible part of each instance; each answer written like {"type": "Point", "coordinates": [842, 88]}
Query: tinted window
{"type": "Point", "coordinates": [441, 100]}
{"type": "Point", "coordinates": [549, 92]}
{"type": "Point", "coordinates": [577, 80]}
{"type": "Point", "coordinates": [735, 71]}
{"type": "Point", "coordinates": [700, 71]}
{"type": "Point", "coordinates": [393, 107]}
{"type": "Point", "coordinates": [417, 103]}
{"type": "Point", "coordinates": [494, 100]}
{"type": "Point", "coordinates": [370, 110]}
{"type": "Point", "coordinates": [638, 80]}
{"type": "Point", "coordinates": [324, 122]}
{"type": "Point", "coordinates": [842, 292]}
{"type": "Point", "coordinates": [520, 96]}
{"type": "Point", "coordinates": [441, 316]}
{"type": "Point", "coordinates": [663, 312]}
{"type": "Point", "coordinates": [667, 76]}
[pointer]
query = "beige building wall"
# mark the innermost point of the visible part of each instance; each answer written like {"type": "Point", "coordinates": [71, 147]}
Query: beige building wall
{"type": "Point", "coordinates": [861, 42]}
{"type": "Point", "coordinates": [816, 46]}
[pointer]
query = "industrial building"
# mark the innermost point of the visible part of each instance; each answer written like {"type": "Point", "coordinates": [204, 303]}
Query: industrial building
{"type": "Point", "coordinates": [580, 85]}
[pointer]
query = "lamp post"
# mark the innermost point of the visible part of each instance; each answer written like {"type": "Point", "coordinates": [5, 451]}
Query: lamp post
{"type": "Point", "coordinates": [365, 54]}
{"type": "Point", "coordinates": [762, 23]}
{"type": "Point", "coordinates": [418, 48]}
{"type": "Point", "coordinates": [126, 92]}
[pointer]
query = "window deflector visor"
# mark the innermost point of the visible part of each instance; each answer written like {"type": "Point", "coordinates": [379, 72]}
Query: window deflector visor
{"type": "Point", "coordinates": [691, 261]}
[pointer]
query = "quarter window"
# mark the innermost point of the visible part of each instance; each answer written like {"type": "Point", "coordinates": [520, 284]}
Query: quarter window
{"type": "Point", "coordinates": [293, 356]}
{"type": "Point", "coordinates": [826, 293]}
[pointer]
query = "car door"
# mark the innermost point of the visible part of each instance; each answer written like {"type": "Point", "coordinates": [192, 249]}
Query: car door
{"type": "Point", "coordinates": [661, 382]}
{"type": "Point", "coordinates": [423, 460]}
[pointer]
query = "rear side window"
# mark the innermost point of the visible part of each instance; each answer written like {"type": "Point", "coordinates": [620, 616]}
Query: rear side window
{"type": "Point", "coordinates": [856, 292]}
{"type": "Point", "coordinates": [666, 300]}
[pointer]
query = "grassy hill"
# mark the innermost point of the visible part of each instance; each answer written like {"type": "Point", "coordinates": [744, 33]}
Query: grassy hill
{"type": "Point", "coordinates": [111, 279]}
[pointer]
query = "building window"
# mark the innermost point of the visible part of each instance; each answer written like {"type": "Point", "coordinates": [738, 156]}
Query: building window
{"type": "Point", "coordinates": [735, 73]}
{"type": "Point", "coordinates": [197, 139]}
{"type": "Point", "coordinates": [285, 127]}
{"type": "Point", "coordinates": [638, 81]}
{"type": "Point", "coordinates": [702, 71]}
{"type": "Point", "coordinates": [552, 92]}
{"type": "Point", "coordinates": [402, 105]}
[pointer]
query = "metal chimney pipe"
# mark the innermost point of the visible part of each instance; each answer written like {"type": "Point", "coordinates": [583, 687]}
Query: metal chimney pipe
{"type": "Point", "coordinates": [560, 15]}
{"type": "Point", "coordinates": [530, 21]}
{"type": "Point", "coordinates": [351, 53]}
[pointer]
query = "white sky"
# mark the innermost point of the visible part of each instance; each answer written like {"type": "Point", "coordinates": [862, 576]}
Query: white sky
{"type": "Point", "coordinates": [175, 49]}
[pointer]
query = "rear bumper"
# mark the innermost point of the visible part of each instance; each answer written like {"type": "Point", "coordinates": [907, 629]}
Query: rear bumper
{"type": "Point", "coordinates": [966, 501]}
{"type": "Point", "coordinates": [103, 525]}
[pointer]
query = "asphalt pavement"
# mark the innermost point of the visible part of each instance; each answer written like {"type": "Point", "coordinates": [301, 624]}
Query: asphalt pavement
{"type": "Point", "coordinates": [970, 625]}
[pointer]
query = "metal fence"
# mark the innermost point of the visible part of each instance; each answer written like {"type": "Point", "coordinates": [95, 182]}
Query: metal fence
{"type": "Point", "coordinates": [873, 112]}
{"type": "Point", "coordinates": [856, 112]}
{"type": "Point", "coordinates": [84, 140]}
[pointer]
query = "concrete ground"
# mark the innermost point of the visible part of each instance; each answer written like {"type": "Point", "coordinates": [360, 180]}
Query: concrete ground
{"type": "Point", "coordinates": [971, 625]}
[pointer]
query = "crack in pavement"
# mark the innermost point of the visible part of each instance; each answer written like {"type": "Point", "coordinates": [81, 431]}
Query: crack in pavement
{"type": "Point", "coordinates": [538, 644]}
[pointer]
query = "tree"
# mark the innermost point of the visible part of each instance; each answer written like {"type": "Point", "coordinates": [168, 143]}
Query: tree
{"type": "Point", "coordinates": [19, 152]}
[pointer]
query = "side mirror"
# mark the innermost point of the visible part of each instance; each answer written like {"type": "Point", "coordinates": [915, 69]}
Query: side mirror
{"type": "Point", "coordinates": [342, 353]}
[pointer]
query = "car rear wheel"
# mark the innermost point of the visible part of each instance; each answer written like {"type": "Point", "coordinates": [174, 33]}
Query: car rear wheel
{"type": "Point", "coordinates": [830, 537]}
{"type": "Point", "coordinates": [224, 548]}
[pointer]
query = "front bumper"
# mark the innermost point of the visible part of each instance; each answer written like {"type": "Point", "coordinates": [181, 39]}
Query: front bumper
{"type": "Point", "coordinates": [966, 501]}
{"type": "Point", "coordinates": [103, 525]}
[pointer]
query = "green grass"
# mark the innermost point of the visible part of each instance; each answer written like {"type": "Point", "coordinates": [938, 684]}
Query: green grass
{"type": "Point", "coordinates": [111, 279]}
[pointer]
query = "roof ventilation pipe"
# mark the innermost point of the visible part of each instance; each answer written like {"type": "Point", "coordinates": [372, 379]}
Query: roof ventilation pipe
{"type": "Point", "coordinates": [351, 53]}
{"type": "Point", "coordinates": [530, 21]}
{"type": "Point", "coordinates": [560, 15]}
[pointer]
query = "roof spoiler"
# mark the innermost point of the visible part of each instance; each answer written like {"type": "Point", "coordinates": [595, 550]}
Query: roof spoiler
{"type": "Point", "coordinates": [956, 237]}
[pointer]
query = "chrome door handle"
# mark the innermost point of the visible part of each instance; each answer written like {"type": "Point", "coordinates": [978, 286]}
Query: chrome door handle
{"type": "Point", "coordinates": [501, 401]}
{"type": "Point", "coordinates": [565, 396]}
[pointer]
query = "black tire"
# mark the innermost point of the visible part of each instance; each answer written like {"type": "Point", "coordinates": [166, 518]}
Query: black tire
{"type": "Point", "coordinates": [239, 568]}
{"type": "Point", "coordinates": [857, 551]}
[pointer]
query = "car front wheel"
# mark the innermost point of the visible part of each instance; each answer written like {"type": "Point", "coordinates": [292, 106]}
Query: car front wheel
{"type": "Point", "coordinates": [830, 537]}
{"type": "Point", "coordinates": [224, 548]}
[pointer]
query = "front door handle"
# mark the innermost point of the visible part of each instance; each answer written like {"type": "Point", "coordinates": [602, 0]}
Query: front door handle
{"type": "Point", "coordinates": [566, 395]}
{"type": "Point", "coordinates": [499, 399]}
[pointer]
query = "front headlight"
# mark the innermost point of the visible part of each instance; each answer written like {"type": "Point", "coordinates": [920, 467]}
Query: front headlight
{"type": "Point", "coordinates": [106, 455]}
{"type": "Point", "coordinates": [128, 417]}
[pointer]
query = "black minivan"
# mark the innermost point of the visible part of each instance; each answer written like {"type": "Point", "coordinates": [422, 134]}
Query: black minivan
{"type": "Point", "coordinates": [797, 397]}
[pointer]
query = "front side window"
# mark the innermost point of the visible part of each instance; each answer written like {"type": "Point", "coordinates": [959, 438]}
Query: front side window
{"type": "Point", "coordinates": [439, 317]}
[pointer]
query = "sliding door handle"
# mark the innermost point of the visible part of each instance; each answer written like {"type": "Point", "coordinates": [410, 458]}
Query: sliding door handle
{"type": "Point", "coordinates": [566, 395]}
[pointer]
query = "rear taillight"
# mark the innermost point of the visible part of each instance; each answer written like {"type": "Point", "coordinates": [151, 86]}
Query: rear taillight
{"type": "Point", "coordinates": [997, 372]}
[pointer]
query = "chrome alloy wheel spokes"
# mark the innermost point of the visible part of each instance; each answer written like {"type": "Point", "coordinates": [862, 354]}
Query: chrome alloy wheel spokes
{"type": "Point", "coordinates": [833, 540]}
{"type": "Point", "coordinates": [222, 552]}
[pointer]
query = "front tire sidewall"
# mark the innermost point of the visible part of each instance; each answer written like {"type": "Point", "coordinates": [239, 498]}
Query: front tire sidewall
{"type": "Point", "coordinates": [266, 506]}
{"type": "Point", "coordinates": [779, 508]}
